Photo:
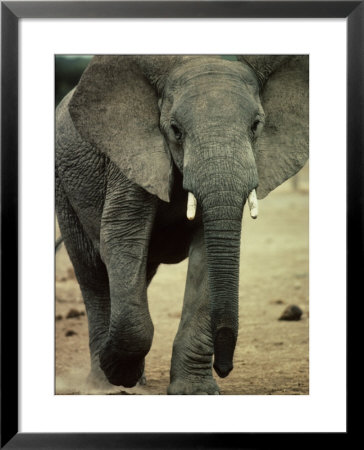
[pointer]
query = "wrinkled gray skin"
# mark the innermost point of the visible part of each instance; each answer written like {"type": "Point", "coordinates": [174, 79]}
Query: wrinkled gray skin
{"type": "Point", "coordinates": [135, 135]}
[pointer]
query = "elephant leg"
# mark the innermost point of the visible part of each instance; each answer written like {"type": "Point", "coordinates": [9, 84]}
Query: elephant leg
{"type": "Point", "coordinates": [151, 271]}
{"type": "Point", "coordinates": [93, 280]}
{"type": "Point", "coordinates": [125, 234]}
{"type": "Point", "coordinates": [97, 301]}
{"type": "Point", "coordinates": [191, 366]}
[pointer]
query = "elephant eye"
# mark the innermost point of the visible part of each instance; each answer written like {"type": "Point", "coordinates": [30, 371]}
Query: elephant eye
{"type": "Point", "coordinates": [257, 127]}
{"type": "Point", "coordinates": [177, 132]}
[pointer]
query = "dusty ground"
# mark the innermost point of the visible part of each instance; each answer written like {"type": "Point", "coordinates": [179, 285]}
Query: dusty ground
{"type": "Point", "coordinates": [271, 355]}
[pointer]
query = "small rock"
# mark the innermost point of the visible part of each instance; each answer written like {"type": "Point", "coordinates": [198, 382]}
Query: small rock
{"type": "Point", "coordinates": [59, 317]}
{"type": "Point", "coordinates": [74, 314]}
{"type": "Point", "coordinates": [292, 312]}
{"type": "Point", "coordinates": [278, 302]}
{"type": "Point", "coordinates": [61, 278]}
{"type": "Point", "coordinates": [70, 333]}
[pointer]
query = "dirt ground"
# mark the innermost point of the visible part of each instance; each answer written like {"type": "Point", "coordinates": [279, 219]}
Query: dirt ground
{"type": "Point", "coordinates": [271, 357]}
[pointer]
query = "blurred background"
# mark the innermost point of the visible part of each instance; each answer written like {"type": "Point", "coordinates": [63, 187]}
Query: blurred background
{"type": "Point", "coordinates": [68, 71]}
{"type": "Point", "coordinates": [272, 355]}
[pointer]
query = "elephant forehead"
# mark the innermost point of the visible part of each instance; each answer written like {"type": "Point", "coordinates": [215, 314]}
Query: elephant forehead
{"type": "Point", "coordinates": [212, 101]}
{"type": "Point", "coordinates": [212, 70]}
{"type": "Point", "coordinates": [226, 101]}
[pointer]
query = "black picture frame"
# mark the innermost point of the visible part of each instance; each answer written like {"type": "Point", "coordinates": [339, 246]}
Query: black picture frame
{"type": "Point", "coordinates": [11, 12]}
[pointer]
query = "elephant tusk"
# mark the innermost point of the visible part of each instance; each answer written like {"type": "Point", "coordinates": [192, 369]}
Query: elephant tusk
{"type": "Point", "coordinates": [253, 204]}
{"type": "Point", "coordinates": [191, 206]}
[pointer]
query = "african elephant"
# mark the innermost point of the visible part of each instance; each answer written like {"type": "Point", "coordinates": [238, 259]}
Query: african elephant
{"type": "Point", "coordinates": [136, 140]}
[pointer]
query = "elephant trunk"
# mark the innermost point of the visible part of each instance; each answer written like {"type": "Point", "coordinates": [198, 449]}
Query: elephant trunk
{"type": "Point", "coordinates": [222, 197]}
{"type": "Point", "coordinates": [222, 225]}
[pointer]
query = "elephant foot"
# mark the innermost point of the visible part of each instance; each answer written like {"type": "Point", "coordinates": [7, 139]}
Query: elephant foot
{"type": "Point", "coordinates": [97, 381]}
{"type": "Point", "coordinates": [201, 386]}
{"type": "Point", "coordinates": [121, 368]}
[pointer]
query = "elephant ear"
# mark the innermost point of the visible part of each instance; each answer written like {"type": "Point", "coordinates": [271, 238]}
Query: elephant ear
{"type": "Point", "coordinates": [282, 149]}
{"type": "Point", "coordinates": [115, 108]}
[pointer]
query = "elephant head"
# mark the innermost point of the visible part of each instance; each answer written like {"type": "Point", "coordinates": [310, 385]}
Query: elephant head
{"type": "Point", "coordinates": [230, 127]}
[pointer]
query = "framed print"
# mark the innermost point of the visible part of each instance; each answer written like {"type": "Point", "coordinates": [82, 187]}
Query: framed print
{"type": "Point", "coordinates": [207, 71]}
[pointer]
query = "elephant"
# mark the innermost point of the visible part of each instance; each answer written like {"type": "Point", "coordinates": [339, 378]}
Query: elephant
{"type": "Point", "coordinates": [139, 140]}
